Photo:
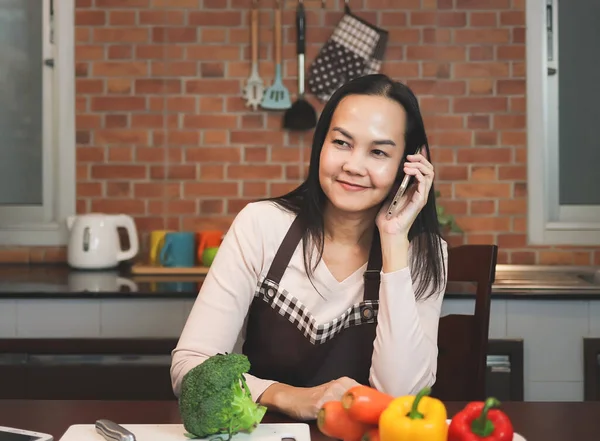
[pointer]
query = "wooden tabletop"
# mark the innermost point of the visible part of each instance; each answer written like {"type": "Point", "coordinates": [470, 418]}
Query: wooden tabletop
{"type": "Point", "coordinates": [539, 421]}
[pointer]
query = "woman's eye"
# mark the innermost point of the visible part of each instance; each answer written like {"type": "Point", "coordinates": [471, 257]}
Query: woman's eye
{"type": "Point", "coordinates": [380, 153]}
{"type": "Point", "coordinates": [340, 142]}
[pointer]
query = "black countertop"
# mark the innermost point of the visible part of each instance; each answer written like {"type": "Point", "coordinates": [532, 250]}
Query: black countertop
{"type": "Point", "coordinates": [59, 281]}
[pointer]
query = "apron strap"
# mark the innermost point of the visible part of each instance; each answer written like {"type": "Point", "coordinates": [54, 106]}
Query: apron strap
{"type": "Point", "coordinates": [372, 274]}
{"type": "Point", "coordinates": [290, 243]}
{"type": "Point", "coordinates": [286, 250]}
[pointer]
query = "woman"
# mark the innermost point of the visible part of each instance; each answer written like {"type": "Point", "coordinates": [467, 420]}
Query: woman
{"type": "Point", "coordinates": [329, 292]}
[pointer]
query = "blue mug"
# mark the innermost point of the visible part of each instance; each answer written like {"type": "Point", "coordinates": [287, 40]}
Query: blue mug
{"type": "Point", "coordinates": [179, 250]}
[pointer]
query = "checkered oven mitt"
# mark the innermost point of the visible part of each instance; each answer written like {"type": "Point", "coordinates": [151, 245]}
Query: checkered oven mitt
{"type": "Point", "coordinates": [355, 48]}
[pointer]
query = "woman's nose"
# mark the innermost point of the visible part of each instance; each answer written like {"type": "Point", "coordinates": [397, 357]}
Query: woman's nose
{"type": "Point", "coordinates": [355, 163]}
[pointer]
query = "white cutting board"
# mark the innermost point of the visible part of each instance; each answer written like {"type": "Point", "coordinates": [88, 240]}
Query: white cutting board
{"type": "Point", "coordinates": [176, 432]}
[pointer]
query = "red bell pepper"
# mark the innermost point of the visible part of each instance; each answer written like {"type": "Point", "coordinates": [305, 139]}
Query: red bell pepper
{"type": "Point", "coordinates": [480, 421]}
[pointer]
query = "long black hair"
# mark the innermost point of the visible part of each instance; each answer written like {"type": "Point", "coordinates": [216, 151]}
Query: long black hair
{"type": "Point", "coordinates": [308, 200]}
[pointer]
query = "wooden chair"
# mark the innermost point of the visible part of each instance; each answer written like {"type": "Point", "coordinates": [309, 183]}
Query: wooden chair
{"type": "Point", "coordinates": [463, 339]}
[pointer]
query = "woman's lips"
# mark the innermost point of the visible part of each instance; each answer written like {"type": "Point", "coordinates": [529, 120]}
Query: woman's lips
{"type": "Point", "coordinates": [351, 187]}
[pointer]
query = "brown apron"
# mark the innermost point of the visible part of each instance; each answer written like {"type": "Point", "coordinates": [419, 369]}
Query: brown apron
{"type": "Point", "coordinates": [283, 343]}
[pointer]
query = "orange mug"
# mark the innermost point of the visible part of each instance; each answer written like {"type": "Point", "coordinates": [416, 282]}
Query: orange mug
{"type": "Point", "coordinates": [208, 239]}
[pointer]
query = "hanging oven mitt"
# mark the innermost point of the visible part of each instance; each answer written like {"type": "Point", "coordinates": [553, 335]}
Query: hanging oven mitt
{"type": "Point", "coordinates": [355, 48]}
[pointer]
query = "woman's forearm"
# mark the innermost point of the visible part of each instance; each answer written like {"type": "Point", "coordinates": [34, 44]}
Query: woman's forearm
{"type": "Point", "coordinates": [394, 251]}
{"type": "Point", "coordinates": [276, 396]}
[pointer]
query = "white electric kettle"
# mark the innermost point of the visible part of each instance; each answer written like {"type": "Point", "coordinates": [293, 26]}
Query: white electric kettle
{"type": "Point", "coordinates": [94, 240]}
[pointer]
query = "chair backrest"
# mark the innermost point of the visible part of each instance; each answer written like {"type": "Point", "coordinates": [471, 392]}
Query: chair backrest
{"type": "Point", "coordinates": [463, 339]}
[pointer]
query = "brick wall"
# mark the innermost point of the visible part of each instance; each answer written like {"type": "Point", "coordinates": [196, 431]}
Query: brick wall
{"type": "Point", "coordinates": [163, 134]}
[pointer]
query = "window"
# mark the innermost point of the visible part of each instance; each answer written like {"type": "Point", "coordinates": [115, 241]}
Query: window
{"type": "Point", "coordinates": [563, 130]}
{"type": "Point", "coordinates": [37, 129]}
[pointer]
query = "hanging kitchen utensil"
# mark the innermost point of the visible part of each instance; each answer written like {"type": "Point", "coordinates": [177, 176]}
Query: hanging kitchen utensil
{"type": "Point", "coordinates": [254, 89]}
{"type": "Point", "coordinates": [355, 48]}
{"type": "Point", "coordinates": [302, 115]}
{"type": "Point", "coordinates": [277, 97]}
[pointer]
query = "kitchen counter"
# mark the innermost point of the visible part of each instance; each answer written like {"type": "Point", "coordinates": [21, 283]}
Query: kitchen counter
{"type": "Point", "coordinates": [60, 281]}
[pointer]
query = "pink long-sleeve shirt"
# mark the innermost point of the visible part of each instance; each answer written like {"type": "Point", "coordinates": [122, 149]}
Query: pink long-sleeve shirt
{"type": "Point", "coordinates": [405, 351]}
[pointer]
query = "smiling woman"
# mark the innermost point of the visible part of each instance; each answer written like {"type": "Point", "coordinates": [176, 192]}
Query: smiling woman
{"type": "Point", "coordinates": [359, 301]}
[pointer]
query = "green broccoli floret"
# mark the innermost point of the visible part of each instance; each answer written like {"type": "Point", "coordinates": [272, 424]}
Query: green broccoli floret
{"type": "Point", "coordinates": [215, 398]}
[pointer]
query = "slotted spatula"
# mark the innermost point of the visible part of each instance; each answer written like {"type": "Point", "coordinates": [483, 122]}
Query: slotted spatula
{"type": "Point", "coordinates": [277, 97]}
{"type": "Point", "coordinates": [254, 90]}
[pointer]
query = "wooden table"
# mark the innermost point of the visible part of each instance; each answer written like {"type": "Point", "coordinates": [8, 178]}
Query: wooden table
{"type": "Point", "coordinates": [541, 421]}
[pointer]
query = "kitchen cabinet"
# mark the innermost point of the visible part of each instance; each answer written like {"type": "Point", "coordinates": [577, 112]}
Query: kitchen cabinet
{"type": "Point", "coordinates": [504, 375]}
{"type": "Point", "coordinates": [591, 369]}
{"type": "Point", "coordinates": [138, 369]}
{"type": "Point", "coordinates": [72, 369]}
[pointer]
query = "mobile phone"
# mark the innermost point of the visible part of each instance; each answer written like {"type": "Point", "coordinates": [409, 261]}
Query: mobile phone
{"type": "Point", "coordinates": [401, 190]}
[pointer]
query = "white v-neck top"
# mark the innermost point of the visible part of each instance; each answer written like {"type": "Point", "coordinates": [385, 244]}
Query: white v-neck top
{"type": "Point", "coordinates": [405, 348]}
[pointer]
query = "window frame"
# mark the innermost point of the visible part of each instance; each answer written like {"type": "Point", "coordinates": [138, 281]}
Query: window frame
{"type": "Point", "coordinates": [549, 223]}
{"type": "Point", "coordinates": [46, 225]}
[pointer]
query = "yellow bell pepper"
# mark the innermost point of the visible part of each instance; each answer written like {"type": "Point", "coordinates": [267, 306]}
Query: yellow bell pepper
{"type": "Point", "coordinates": [414, 418]}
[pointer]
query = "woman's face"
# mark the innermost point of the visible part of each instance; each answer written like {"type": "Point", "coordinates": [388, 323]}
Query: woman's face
{"type": "Point", "coordinates": [362, 152]}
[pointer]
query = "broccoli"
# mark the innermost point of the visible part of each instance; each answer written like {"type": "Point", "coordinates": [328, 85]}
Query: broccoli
{"type": "Point", "coordinates": [215, 398]}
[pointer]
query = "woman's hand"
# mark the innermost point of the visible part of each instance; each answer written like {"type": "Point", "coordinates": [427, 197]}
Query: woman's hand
{"type": "Point", "coordinates": [413, 200]}
{"type": "Point", "coordinates": [303, 403]}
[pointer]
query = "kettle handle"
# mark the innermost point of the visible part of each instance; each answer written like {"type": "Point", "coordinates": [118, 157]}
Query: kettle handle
{"type": "Point", "coordinates": [125, 221]}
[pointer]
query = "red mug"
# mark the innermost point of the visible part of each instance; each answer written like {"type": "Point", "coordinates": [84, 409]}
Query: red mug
{"type": "Point", "coordinates": [208, 239]}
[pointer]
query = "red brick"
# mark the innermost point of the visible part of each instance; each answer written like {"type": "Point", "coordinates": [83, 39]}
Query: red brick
{"type": "Point", "coordinates": [213, 154]}
{"type": "Point", "coordinates": [117, 103]}
{"type": "Point", "coordinates": [511, 87]}
{"type": "Point", "coordinates": [509, 122]}
{"type": "Point", "coordinates": [119, 69]}
{"type": "Point", "coordinates": [488, 104]}
{"type": "Point", "coordinates": [484, 155]}
{"type": "Point", "coordinates": [452, 173]}
{"type": "Point", "coordinates": [175, 172]}
{"type": "Point", "coordinates": [481, 36]}
{"type": "Point", "coordinates": [213, 189]}
{"type": "Point", "coordinates": [187, 4]}
{"type": "Point", "coordinates": [89, 52]}
{"type": "Point", "coordinates": [120, 52]}
{"type": "Point", "coordinates": [483, 173]}
{"type": "Point", "coordinates": [478, 122]}
{"type": "Point", "coordinates": [159, 52]}
{"type": "Point", "coordinates": [482, 207]}
{"type": "Point", "coordinates": [482, 86]}
{"type": "Point", "coordinates": [114, 121]}
{"type": "Point", "coordinates": [215, 18]}
{"type": "Point", "coordinates": [483, 4]}
{"type": "Point", "coordinates": [156, 86]}
{"type": "Point", "coordinates": [484, 224]}
{"type": "Point", "coordinates": [122, 3]}
{"type": "Point", "coordinates": [512, 18]}
{"type": "Point", "coordinates": [486, 138]}
{"type": "Point", "coordinates": [212, 206]}
{"type": "Point", "coordinates": [121, 137]}
{"type": "Point", "coordinates": [121, 35]}
{"type": "Point", "coordinates": [210, 121]}
{"type": "Point", "coordinates": [121, 86]}
{"type": "Point", "coordinates": [483, 19]}
{"type": "Point", "coordinates": [174, 69]}
{"type": "Point", "coordinates": [254, 172]}
{"type": "Point", "coordinates": [516, 52]}
{"type": "Point", "coordinates": [254, 189]}
{"type": "Point", "coordinates": [122, 18]}
{"type": "Point", "coordinates": [118, 189]}
{"type": "Point", "coordinates": [88, 86]}
{"type": "Point", "coordinates": [178, 34]}
{"type": "Point", "coordinates": [474, 70]}
{"type": "Point", "coordinates": [90, 18]}
{"type": "Point", "coordinates": [481, 53]}
{"type": "Point", "coordinates": [157, 17]}
{"type": "Point", "coordinates": [104, 171]}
